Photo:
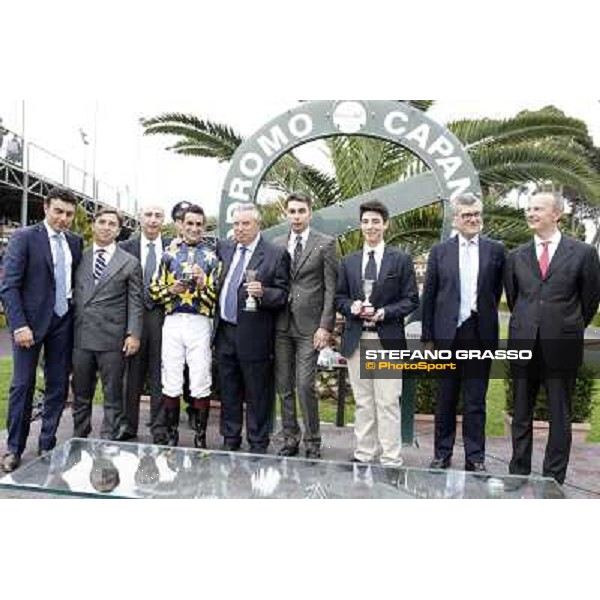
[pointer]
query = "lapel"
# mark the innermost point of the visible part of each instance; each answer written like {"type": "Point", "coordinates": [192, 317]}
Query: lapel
{"type": "Point", "coordinates": [86, 272]}
{"type": "Point", "coordinates": [355, 272]}
{"type": "Point", "coordinates": [258, 256]}
{"type": "Point", "coordinates": [116, 264]}
{"type": "Point", "coordinates": [530, 257]}
{"type": "Point", "coordinates": [311, 244]}
{"type": "Point", "coordinates": [44, 244]}
{"type": "Point", "coordinates": [227, 251]}
{"type": "Point", "coordinates": [451, 262]}
{"type": "Point", "coordinates": [484, 259]}
{"type": "Point", "coordinates": [562, 254]}
{"type": "Point", "coordinates": [387, 262]}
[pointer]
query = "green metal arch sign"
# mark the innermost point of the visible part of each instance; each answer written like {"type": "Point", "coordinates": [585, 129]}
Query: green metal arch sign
{"type": "Point", "coordinates": [451, 169]}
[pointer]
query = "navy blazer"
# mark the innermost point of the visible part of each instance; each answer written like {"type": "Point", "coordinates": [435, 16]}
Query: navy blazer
{"type": "Point", "coordinates": [255, 332]}
{"type": "Point", "coordinates": [441, 292]}
{"type": "Point", "coordinates": [133, 246]}
{"type": "Point", "coordinates": [28, 288]}
{"type": "Point", "coordinates": [395, 291]}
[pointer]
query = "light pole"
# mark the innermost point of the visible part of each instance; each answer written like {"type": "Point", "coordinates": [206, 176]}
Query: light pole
{"type": "Point", "coordinates": [86, 142]}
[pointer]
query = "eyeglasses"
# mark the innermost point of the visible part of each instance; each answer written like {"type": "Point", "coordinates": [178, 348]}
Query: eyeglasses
{"type": "Point", "coordinates": [471, 215]}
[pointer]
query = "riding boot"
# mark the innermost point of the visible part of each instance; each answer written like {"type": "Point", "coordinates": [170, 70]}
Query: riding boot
{"type": "Point", "coordinates": [172, 418]}
{"type": "Point", "coordinates": [201, 412]}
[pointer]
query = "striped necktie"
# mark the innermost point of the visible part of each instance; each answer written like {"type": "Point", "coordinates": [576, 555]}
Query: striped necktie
{"type": "Point", "coordinates": [100, 264]}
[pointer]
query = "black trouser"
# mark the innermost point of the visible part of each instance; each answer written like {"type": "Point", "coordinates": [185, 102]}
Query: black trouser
{"type": "Point", "coordinates": [559, 387]}
{"type": "Point", "coordinates": [251, 382]}
{"type": "Point", "coordinates": [472, 377]}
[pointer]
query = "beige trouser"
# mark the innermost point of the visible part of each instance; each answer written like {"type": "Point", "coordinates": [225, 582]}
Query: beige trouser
{"type": "Point", "coordinates": [377, 415]}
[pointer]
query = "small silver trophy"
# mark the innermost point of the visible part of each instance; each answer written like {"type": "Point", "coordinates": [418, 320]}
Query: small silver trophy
{"type": "Point", "coordinates": [251, 305]}
{"type": "Point", "coordinates": [187, 274]}
{"type": "Point", "coordinates": [368, 310]}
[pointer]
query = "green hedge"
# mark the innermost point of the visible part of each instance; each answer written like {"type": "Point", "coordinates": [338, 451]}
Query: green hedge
{"type": "Point", "coordinates": [582, 402]}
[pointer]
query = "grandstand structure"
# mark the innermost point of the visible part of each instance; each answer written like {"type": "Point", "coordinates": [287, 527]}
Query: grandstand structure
{"type": "Point", "coordinates": [27, 176]}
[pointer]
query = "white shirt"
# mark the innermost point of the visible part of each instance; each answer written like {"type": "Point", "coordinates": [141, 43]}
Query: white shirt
{"type": "Point", "coordinates": [68, 256]}
{"type": "Point", "coordinates": [236, 259]}
{"type": "Point", "coordinates": [552, 246]}
{"type": "Point", "coordinates": [379, 250]}
{"type": "Point", "coordinates": [294, 238]}
{"type": "Point", "coordinates": [158, 249]}
{"type": "Point", "coordinates": [469, 274]}
{"type": "Point", "coordinates": [108, 253]}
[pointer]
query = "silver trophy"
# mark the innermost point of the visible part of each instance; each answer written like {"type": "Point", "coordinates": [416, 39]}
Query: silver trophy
{"type": "Point", "coordinates": [368, 310]}
{"type": "Point", "coordinates": [251, 304]}
{"type": "Point", "coordinates": [187, 274]}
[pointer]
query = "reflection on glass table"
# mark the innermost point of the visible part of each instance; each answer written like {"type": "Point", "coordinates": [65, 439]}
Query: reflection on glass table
{"type": "Point", "coordinates": [93, 468]}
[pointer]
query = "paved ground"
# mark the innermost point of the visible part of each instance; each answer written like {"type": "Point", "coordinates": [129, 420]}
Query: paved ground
{"type": "Point", "coordinates": [583, 480]}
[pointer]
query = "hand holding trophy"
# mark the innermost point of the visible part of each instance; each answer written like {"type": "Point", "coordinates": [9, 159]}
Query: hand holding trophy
{"type": "Point", "coordinates": [251, 304]}
{"type": "Point", "coordinates": [368, 310]}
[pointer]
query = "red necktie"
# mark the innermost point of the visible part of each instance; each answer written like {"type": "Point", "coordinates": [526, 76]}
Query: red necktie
{"type": "Point", "coordinates": [544, 260]}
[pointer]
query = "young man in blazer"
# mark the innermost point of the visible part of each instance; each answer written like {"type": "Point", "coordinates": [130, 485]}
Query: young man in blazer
{"type": "Point", "coordinates": [553, 290]}
{"type": "Point", "coordinates": [394, 296]}
{"type": "Point", "coordinates": [37, 292]}
{"type": "Point", "coordinates": [462, 289]}
{"type": "Point", "coordinates": [148, 247]}
{"type": "Point", "coordinates": [245, 340]}
{"type": "Point", "coordinates": [304, 326]}
{"type": "Point", "coordinates": [109, 314]}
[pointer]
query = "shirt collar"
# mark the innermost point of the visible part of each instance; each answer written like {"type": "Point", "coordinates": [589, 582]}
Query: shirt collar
{"type": "Point", "coordinates": [379, 249]}
{"type": "Point", "coordinates": [463, 241]}
{"type": "Point", "coordinates": [52, 232]}
{"type": "Point", "coordinates": [110, 250]}
{"type": "Point", "coordinates": [252, 246]}
{"type": "Point", "coordinates": [554, 240]}
{"type": "Point", "coordinates": [145, 241]}
{"type": "Point", "coordinates": [304, 235]}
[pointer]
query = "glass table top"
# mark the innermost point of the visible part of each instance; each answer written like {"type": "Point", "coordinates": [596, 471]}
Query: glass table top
{"type": "Point", "coordinates": [94, 468]}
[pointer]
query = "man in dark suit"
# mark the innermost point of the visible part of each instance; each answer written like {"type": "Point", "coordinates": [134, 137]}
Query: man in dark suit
{"type": "Point", "coordinates": [394, 296]}
{"type": "Point", "coordinates": [305, 325]}
{"type": "Point", "coordinates": [145, 365]}
{"type": "Point", "coordinates": [37, 290]}
{"type": "Point", "coordinates": [462, 289]}
{"type": "Point", "coordinates": [553, 290]}
{"type": "Point", "coordinates": [244, 341]}
{"type": "Point", "coordinates": [109, 313]}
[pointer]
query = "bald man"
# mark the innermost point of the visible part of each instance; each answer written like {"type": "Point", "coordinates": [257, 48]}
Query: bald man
{"type": "Point", "coordinates": [148, 247]}
{"type": "Point", "coordinates": [553, 291]}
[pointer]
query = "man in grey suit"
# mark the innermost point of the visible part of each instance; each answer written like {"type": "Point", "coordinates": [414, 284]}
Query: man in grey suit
{"type": "Point", "coordinates": [304, 326]}
{"type": "Point", "coordinates": [109, 312]}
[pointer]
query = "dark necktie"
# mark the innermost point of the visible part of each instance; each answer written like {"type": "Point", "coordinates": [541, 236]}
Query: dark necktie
{"type": "Point", "coordinates": [545, 259]}
{"type": "Point", "coordinates": [371, 270]}
{"type": "Point", "coordinates": [149, 274]}
{"type": "Point", "coordinates": [100, 265]}
{"type": "Point", "coordinates": [230, 307]}
{"type": "Point", "coordinates": [297, 252]}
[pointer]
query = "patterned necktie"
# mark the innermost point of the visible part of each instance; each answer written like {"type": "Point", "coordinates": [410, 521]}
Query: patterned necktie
{"type": "Point", "coordinates": [100, 265]}
{"type": "Point", "coordinates": [545, 259]}
{"type": "Point", "coordinates": [61, 306]}
{"type": "Point", "coordinates": [467, 283]}
{"type": "Point", "coordinates": [230, 308]}
{"type": "Point", "coordinates": [297, 251]}
{"type": "Point", "coordinates": [371, 270]}
{"type": "Point", "coordinates": [149, 274]}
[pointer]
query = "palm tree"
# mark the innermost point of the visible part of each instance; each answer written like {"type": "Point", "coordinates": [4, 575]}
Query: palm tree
{"type": "Point", "coordinates": [533, 146]}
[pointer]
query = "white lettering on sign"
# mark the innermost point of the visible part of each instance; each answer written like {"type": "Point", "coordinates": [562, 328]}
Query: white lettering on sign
{"type": "Point", "coordinates": [273, 144]}
{"type": "Point", "coordinates": [300, 125]}
{"type": "Point", "coordinates": [251, 164]}
{"type": "Point", "coordinates": [390, 122]}
{"type": "Point", "coordinates": [238, 187]}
